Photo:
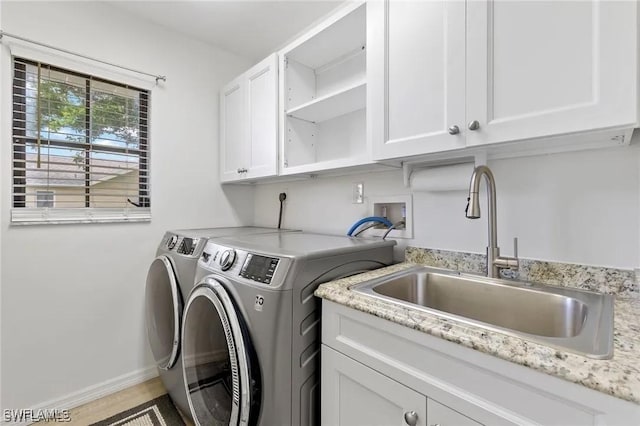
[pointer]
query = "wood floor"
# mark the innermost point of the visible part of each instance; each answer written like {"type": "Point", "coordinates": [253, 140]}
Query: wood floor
{"type": "Point", "coordinates": [110, 405]}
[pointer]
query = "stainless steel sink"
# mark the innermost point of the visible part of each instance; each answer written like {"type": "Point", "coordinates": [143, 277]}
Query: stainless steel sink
{"type": "Point", "coordinates": [570, 319]}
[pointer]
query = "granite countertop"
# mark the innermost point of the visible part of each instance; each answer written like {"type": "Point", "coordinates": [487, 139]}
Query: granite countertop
{"type": "Point", "coordinates": [619, 376]}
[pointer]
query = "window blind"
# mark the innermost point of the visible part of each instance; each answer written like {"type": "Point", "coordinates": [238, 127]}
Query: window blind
{"type": "Point", "coordinates": [81, 140]}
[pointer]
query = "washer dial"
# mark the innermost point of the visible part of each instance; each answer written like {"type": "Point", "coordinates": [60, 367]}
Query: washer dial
{"type": "Point", "coordinates": [227, 259]}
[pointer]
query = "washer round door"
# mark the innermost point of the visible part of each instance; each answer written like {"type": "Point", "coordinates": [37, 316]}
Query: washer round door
{"type": "Point", "coordinates": [163, 312]}
{"type": "Point", "coordinates": [220, 369]}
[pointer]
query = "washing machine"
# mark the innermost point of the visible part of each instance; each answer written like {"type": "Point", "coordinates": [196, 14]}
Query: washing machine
{"type": "Point", "coordinates": [169, 281]}
{"type": "Point", "coordinates": [251, 325]}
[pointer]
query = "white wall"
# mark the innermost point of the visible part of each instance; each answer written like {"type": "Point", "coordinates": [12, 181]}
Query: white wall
{"type": "Point", "coordinates": [73, 296]}
{"type": "Point", "coordinates": [581, 207]}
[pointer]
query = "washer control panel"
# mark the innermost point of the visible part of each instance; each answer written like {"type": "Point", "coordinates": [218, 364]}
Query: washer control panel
{"type": "Point", "coordinates": [259, 268]}
{"type": "Point", "coordinates": [235, 263]}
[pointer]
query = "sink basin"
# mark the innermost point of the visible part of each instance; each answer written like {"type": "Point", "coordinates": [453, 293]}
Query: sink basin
{"type": "Point", "coordinates": [571, 319]}
{"type": "Point", "coordinates": [520, 309]}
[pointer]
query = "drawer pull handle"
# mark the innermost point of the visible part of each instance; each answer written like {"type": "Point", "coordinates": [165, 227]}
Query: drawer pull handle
{"type": "Point", "coordinates": [411, 418]}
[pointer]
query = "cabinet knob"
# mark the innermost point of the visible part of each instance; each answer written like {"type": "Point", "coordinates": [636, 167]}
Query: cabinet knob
{"type": "Point", "coordinates": [411, 418]}
{"type": "Point", "coordinates": [474, 125]}
{"type": "Point", "coordinates": [454, 130]}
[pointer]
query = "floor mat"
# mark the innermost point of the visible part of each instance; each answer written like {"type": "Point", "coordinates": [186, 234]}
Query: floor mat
{"type": "Point", "coordinates": [157, 412]}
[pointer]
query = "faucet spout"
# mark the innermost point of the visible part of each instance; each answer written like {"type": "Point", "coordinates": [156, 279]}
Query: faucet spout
{"type": "Point", "coordinates": [473, 209]}
{"type": "Point", "coordinates": [494, 260]}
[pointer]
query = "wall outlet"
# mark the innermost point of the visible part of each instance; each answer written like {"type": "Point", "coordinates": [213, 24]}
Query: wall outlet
{"type": "Point", "coordinates": [358, 193]}
{"type": "Point", "coordinates": [395, 208]}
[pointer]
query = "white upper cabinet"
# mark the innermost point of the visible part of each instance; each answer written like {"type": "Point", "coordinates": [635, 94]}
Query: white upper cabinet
{"type": "Point", "coordinates": [232, 130]}
{"type": "Point", "coordinates": [541, 68]}
{"type": "Point", "coordinates": [416, 76]}
{"type": "Point", "coordinates": [323, 80]}
{"type": "Point", "coordinates": [248, 120]}
{"type": "Point", "coordinates": [498, 70]}
{"type": "Point", "coordinates": [262, 110]}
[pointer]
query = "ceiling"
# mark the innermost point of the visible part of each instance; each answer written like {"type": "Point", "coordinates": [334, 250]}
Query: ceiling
{"type": "Point", "coordinates": [253, 29]}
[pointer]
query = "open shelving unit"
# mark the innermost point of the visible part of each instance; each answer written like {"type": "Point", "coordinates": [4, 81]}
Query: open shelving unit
{"type": "Point", "coordinates": [323, 96]}
{"type": "Point", "coordinates": [332, 105]}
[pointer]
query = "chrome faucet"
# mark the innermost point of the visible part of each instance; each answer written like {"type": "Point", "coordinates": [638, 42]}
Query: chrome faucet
{"type": "Point", "coordinates": [495, 262]}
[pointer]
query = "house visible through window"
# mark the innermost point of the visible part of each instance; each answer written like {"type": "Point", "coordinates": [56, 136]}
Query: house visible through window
{"type": "Point", "coordinates": [44, 198]}
{"type": "Point", "coordinates": [83, 138]}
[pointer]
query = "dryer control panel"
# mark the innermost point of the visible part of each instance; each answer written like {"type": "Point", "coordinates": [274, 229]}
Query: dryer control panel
{"type": "Point", "coordinates": [180, 244]}
{"type": "Point", "coordinates": [188, 245]}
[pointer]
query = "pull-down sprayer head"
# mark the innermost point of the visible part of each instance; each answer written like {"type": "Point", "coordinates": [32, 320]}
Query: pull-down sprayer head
{"type": "Point", "coordinates": [473, 206]}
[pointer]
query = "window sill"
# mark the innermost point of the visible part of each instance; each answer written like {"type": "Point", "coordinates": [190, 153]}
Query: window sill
{"type": "Point", "coordinates": [57, 216]}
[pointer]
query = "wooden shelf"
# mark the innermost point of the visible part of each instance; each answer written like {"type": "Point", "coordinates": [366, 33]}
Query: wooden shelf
{"type": "Point", "coordinates": [332, 105]}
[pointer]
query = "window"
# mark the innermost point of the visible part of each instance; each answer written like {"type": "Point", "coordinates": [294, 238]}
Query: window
{"type": "Point", "coordinates": [84, 139]}
{"type": "Point", "coordinates": [44, 198]}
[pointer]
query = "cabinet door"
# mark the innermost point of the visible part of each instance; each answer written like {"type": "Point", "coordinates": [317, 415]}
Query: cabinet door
{"type": "Point", "coordinates": [262, 117]}
{"type": "Point", "coordinates": [233, 140]}
{"type": "Point", "coordinates": [416, 69]}
{"type": "Point", "coordinates": [539, 68]}
{"type": "Point", "coordinates": [438, 414]}
{"type": "Point", "coordinates": [354, 395]}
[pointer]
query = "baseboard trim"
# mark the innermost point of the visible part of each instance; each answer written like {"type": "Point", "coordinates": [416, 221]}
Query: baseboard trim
{"type": "Point", "coordinates": [91, 393]}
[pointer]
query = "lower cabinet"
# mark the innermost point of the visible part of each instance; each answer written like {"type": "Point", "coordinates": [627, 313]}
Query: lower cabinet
{"type": "Point", "coordinates": [377, 372]}
{"type": "Point", "coordinates": [356, 395]}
